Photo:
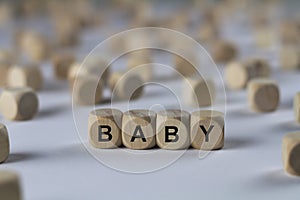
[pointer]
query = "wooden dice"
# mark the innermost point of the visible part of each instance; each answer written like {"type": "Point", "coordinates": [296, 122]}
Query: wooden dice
{"type": "Point", "coordinates": [173, 129]}
{"type": "Point", "coordinates": [62, 63]}
{"type": "Point", "coordinates": [169, 129]}
{"type": "Point", "coordinates": [224, 51]}
{"type": "Point", "coordinates": [140, 63]}
{"type": "Point", "coordinates": [126, 86]}
{"type": "Point", "coordinates": [238, 74]}
{"type": "Point", "coordinates": [19, 103]}
{"type": "Point", "coordinates": [291, 153]}
{"type": "Point", "coordinates": [138, 128]}
{"type": "Point", "coordinates": [5, 63]}
{"type": "Point", "coordinates": [4, 67]}
{"type": "Point", "coordinates": [207, 130]}
{"type": "Point", "coordinates": [105, 128]}
{"type": "Point", "coordinates": [198, 92]}
{"type": "Point", "coordinates": [87, 90]}
{"type": "Point", "coordinates": [25, 76]}
{"type": "Point", "coordinates": [34, 45]}
{"type": "Point", "coordinates": [297, 107]}
{"type": "Point", "coordinates": [4, 143]}
{"type": "Point", "coordinates": [263, 95]}
{"type": "Point", "coordinates": [10, 188]}
{"type": "Point", "coordinates": [290, 57]}
{"type": "Point", "coordinates": [184, 67]}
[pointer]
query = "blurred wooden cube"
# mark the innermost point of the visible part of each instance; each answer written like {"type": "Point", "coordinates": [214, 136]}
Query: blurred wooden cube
{"type": "Point", "coordinates": [263, 95]}
{"type": "Point", "coordinates": [10, 185]}
{"type": "Point", "coordinates": [126, 86]}
{"type": "Point", "coordinates": [4, 143]}
{"type": "Point", "coordinates": [25, 76]}
{"type": "Point", "coordinates": [62, 62]}
{"type": "Point", "coordinates": [198, 92]}
{"type": "Point", "coordinates": [238, 74]}
{"type": "Point", "coordinates": [87, 90]}
{"type": "Point", "coordinates": [291, 153]}
{"type": "Point", "coordinates": [18, 103]}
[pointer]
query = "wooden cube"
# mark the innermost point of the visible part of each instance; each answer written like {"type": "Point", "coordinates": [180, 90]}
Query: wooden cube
{"type": "Point", "coordinates": [62, 63]}
{"type": "Point", "coordinates": [138, 129]}
{"type": "Point", "coordinates": [4, 143]}
{"type": "Point", "coordinates": [207, 130]}
{"type": "Point", "coordinates": [10, 185]}
{"type": "Point", "coordinates": [87, 90]}
{"type": "Point", "coordinates": [145, 72]}
{"type": "Point", "coordinates": [263, 95]}
{"type": "Point", "coordinates": [173, 129]}
{"type": "Point", "coordinates": [77, 69]}
{"type": "Point", "coordinates": [224, 51]}
{"type": "Point", "coordinates": [291, 153]}
{"type": "Point", "coordinates": [3, 74]}
{"type": "Point", "coordinates": [25, 76]}
{"type": "Point", "coordinates": [34, 45]}
{"type": "Point", "coordinates": [126, 86]}
{"type": "Point", "coordinates": [238, 74]}
{"type": "Point", "coordinates": [184, 67]}
{"type": "Point", "coordinates": [290, 57]}
{"type": "Point", "coordinates": [105, 128]}
{"type": "Point", "coordinates": [297, 107]}
{"type": "Point", "coordinates": [18, 103]}
{"type": "Point", "coordinates": [198, 92]}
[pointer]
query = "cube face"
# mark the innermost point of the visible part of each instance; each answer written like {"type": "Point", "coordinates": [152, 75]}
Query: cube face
{"type": "Point", "coordinates": [207, 130]}
{"type": "Point", "coordinates": [62, 63]}
{"type": "Point", "coordinates": [138, 129]}
{"type": "Point", "coordinates": [126, 86]}
{"type": "Point", "coordinates": [10, 186]}
{"type": "Point", "coordinates": [4, 143]}
{"type": "Point", "coordinates": [291, 153]}
{"type": "Point", "coordinates": [263, 95]}
{"type": "Point", "coordinates": [172, 129]}
{"type": "Point", "coordinates": [87, 90]}
{"type": "Point", "coordinates": [184, 67]}
{"type": "Point", "coordinates": [297, 107]}
{"type": "Point", "coordinates": [105, 128]}
{"type": "Point", "coordinates": [18, 103]}
{"type": "Point", "coordinates": [28, 76]}
{"type": "Point", "coordinates": [198, 92]}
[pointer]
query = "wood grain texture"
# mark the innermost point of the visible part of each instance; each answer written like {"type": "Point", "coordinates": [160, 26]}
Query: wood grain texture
{"type": "Point", "coordinates": [10, 188]}
{"type": "Point", "coordinates": [173, 129]}
{"type": "Point", "coordinates": [103, 124]}
{"type": "Point", "coordinates": [126, 86]}
{"type": "Point", "coordinates": [291, 153]}
{"type": "Point", "coordinates": [4, 143]}
{"type": "Point", "coordinates": [62, 62]}
{"type": "Point", "coordinates": [263, 95]}
{"type": "Point", "coordinates": [138, 129]}
{"type": "Point", "coordinates": [25, 76]}
{"type": "Point", "coordinates": [207, 130]}
{"type": "Point", "coordinates": [198, 92]}
{"type": "Point", "coordinates": [18, 103]}
{"type": "Point", "coordinates": [87, 90]}
{"type": "Point", "coordinates": [238, 74]}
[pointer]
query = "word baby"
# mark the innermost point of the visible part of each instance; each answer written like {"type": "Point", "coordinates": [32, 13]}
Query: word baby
{"type": "Point", "coordinates": [168, 129]}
